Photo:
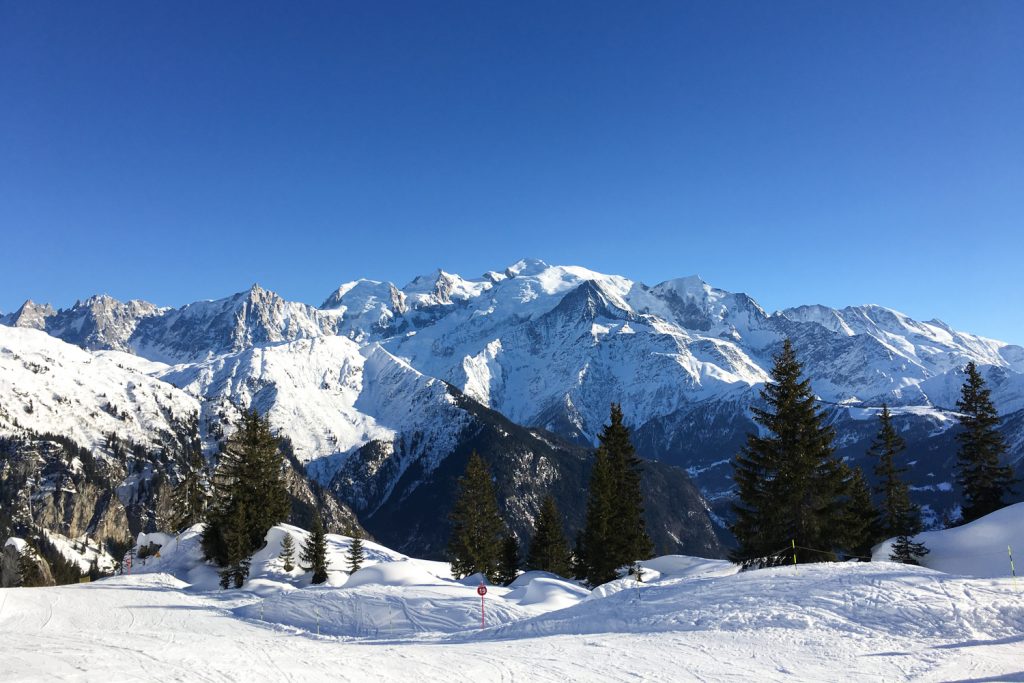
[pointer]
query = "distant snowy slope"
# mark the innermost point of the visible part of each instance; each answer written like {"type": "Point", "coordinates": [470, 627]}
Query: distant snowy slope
{"type": "Point", "coordinates": [327, 394]}
{"type": "Point", "coordinates": [49, 386]}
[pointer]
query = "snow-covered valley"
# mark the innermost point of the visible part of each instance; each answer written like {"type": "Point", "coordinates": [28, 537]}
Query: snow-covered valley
{"type": "Point", "coordinates": [400, 618]}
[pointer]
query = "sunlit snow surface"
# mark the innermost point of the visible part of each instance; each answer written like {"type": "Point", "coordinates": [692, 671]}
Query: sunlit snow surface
{"type": "Point", "coordinates": [404, 619]}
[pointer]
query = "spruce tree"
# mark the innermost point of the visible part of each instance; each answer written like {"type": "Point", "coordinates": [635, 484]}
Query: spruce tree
{"type": "Point", "coordinates": [984, 481]}
{"type": "Point", "coordinates": [898, 514]}
{"type": "Point", "coordinates": [628, 540]}
{"type": "Point", "coordinates": [615, 534]}
{"type": "Point", "coordinates": [314, 552]}
{"type": "Point", "coordinates": [594, 563]}
{"type": "Point", "coordinates": [355, 555]}
{"type": "Point", "coordinates": [860, 520]}
{"type": "Point", "coordinates": [287, 555]}
{"type": "Point", "coordinates": [29, 573]}
{"type": "Point", "coordinates": [899, 517]}
{"type": "Point", "coordinates": [789, 485]}
{"type": "Point", "coordinates": [249, 497]}
{"type": "Point", "coordinates": [906, 550]}
{"type": "Point", "coordinates": [508, 566]}
{"type": "Point", "coordinates": [549, 550]}
{"type": "Point", "coordinates": [237, 551]}
{"type": "Point", "coordinates": [478, 531]}
{"type": "Point", "coordinates": [188, 499]}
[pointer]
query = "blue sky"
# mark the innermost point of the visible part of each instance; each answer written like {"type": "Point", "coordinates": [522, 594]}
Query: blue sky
{"type": "Point", "coordinates": [835, 153]}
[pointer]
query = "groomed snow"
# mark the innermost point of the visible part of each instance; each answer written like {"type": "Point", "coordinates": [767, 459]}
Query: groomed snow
{"type": "Point", "coordinates": [405, 619]}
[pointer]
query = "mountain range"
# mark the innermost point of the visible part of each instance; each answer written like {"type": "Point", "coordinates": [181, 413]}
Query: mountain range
{"type": "Point", "coordinates": [382, 391]}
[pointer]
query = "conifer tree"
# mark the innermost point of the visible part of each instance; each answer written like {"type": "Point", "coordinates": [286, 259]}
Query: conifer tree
{"type": "Point", "coordinates": [899, 516]}
{"type": "Point", "coordinates": [29, 574]}
{"type": "Point", "coordinates": [355, 555]}
{"type": "Point", "coordinates": [628, 539]}
{"type": "Point", "coordinates": [188, 499]}
{"type": "Point", "coordinates": [790, 487]}
{"type": "Point", "coordinates": [314, 552]}
{"type": "Point", "coordinates": [237, 552]}
{"type": "Point", "coordinates": [249, 497]}
{"type": "Point", "coordinates": [549, 550]}
{"type": "Point", "coordinates": [906, 550]}
{"type": "Point", "coordinates": [860, 520]}
{"type": "Point", "coordinates": [508, 566]}
{"type": "Point", "coordinates": [595, 564]}
{"type": "Point", "coordinates": [287, 554]}
{"type": "Point", "coordinates": [615, 534]}
{"type": "Point", "coordinates": [478, 531]}
{"type": "Point", "coordinates": [984, 481]}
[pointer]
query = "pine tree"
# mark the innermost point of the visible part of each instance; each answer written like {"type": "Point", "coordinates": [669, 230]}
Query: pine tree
{"type": "Point", "coordinates": [985, 482]}
{"type": "Point", "coordinates": [249, 497]}
{"type": "Point", "coordinates": [237, 552]}
{"type": "Point", "coordinates": [905, 550]}
{"type": "Point", "coordinates": [508, 565]}
{"type": "Point", "coordinates": [478, 531]}
{"type": "Point", "coordinates": [355, 555]}
{"type": "Point", "coordinates": [628, 540]}
{"type": "Point", "coordinates": [790, 487]}
{"type": "Point", "coordinates": [899, 516]}
{"type": "Point", "coordinates": [615, 534]}
{"type": "Point", "coordinates": [549, 550]}
{"type": "Point", "coordinates": [188, 499]}
{"type": "Point", "coordinates": [594, 563]}
{"type": "Point", "coordinates": [287, 555]}
{"type": "Point", "coordinates": [314, 552]}
{"type": "Point", "coordinates": [29, 573]}
{"type": "Point", "coordinates": [860, 520]}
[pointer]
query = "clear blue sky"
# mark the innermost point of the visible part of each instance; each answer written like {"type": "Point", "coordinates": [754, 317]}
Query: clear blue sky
{"type": "Point", "coordinates": [818, 152]}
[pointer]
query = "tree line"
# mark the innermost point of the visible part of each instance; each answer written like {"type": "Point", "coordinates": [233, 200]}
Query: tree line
{"type": "Point", "coordinates": [791, 489]}
{"type": "Point", "coordinates": [614, 535]}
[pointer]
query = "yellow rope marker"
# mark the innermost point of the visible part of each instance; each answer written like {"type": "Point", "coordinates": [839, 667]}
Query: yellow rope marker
{"type": "Point", "coordinates": [793, 541]}
{"type": "Point", "coordinates": [1013, 572]}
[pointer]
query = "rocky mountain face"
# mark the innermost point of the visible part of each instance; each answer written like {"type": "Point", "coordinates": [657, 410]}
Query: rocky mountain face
{"type": "Point", "coordinates": [383, 390]}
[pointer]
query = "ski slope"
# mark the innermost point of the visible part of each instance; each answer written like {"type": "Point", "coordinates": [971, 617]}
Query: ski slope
{"type": "Point", "coordinates": [399, 618]}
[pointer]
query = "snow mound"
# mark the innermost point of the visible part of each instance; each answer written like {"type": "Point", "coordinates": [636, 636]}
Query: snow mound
{"type": "Point", "coordinates": [861, 600]}
{"type": "Point", "coordinates": [976, 549]}
{"type": "Point", "coordinates": [392, 574]}
{"type": "Point", "coordinates": [182, 556]}
{"type": "Point", "coordinates": [680, 566]}
{"type": "Point", "coordinates": [545, 591]}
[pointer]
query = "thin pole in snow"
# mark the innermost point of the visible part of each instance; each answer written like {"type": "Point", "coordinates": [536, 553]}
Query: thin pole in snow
{"type": "Point", "coordinates": [1013, 572]}
{"type": "Point", "coordinates": [793, 541]}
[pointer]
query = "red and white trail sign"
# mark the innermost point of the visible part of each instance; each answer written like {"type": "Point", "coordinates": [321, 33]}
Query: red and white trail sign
{"type": "Point", "coordinates": [481, 590]}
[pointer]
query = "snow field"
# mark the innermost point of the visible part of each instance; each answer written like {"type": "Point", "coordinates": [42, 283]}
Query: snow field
{"type": "Point", "coordinates": [979, 549]}
{"type": "Point", "coordinates": [400, 618]}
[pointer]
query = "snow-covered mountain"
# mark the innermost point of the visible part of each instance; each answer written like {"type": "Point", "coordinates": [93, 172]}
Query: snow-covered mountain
{"type": "Point", "coordinates": [371, 386]}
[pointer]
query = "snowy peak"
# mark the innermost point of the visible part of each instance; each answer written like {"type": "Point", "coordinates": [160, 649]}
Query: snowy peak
{"type": "Point", "coordinates": [99, 322]}
{"type": "Point", "coordinates": [366, 307]}
{"type": "Point", "coordinates": [254, 317]}
{"type": "Point", "coordinates": [441, 289]}
{"type": "Point", "coordinates": [30, 315]}
{"type": "Point", "coordinates": [527, 266]}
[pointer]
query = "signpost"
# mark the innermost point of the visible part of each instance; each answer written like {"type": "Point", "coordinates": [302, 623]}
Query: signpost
{"type": "Point", "coordinates": [481, 590]}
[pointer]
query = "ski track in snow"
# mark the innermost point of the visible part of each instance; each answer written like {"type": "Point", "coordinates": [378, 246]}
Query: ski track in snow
{"type": "Point", "coordinates": [147, 627]}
